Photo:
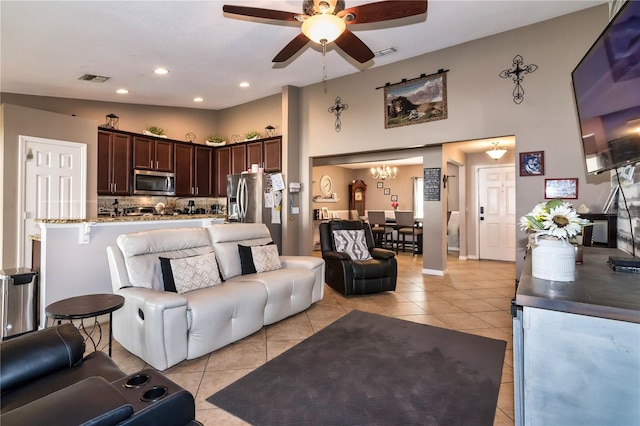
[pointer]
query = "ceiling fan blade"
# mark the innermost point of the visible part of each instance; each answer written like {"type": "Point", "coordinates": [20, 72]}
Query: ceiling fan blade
{"type": "Point", "coordinates": [354, 47]}
{"type": "Point", "coordinates": [256, 12]}
{"type": "Point", "coordinates": [292, 48]}
{"type": "Point", "coordinates": [384, 11]}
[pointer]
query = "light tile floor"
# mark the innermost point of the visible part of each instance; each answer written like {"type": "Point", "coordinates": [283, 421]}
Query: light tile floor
{"type": "Point", "coordinates": [473, 297]}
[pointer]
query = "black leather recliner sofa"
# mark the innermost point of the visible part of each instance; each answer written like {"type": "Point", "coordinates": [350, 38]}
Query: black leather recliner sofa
{"type": "Point", "coordinates": [44, 379]}
{"type": "Point", "coordinates": [349, 276]}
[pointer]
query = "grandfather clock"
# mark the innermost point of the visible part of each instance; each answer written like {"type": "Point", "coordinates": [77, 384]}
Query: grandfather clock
{"type": "Point", "coordinates": [357, 190]}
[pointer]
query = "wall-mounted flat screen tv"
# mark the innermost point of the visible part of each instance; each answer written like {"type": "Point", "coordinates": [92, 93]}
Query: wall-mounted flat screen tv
{"type": "Point", "coordinates": [606, 86]}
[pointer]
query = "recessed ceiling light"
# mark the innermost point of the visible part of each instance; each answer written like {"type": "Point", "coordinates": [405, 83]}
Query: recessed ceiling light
{"type": "Point", "coordinates": [122, 91]}
{"type": "Point", "coordinates": [161, 71]}
{"type": "Point", "coordinates": [245, 84]}
{"type": "Point", "coordinates": [198, 99]}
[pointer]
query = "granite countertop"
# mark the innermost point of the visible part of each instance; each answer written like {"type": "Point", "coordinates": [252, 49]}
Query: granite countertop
{"type": "Point", "coordinates": [597, 291]}
{"type": "Point", "coordinates": [108, 219]}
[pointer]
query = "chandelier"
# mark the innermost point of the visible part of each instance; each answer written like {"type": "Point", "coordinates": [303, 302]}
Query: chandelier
{"type": "Point", "coordinates": [496, 152]}
{"type": "Point", "coordinates": [384, 172]}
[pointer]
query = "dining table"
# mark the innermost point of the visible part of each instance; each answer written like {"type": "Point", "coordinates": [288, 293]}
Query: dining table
{"type": "Point", "coordinates": [418, 223]}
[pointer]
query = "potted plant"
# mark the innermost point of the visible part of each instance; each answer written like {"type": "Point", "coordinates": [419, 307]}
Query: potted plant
{"type": "Point", "coordinates": [215, 140]}
{"type": "Point", "coordinates": [252, 135]}
{"type": "Point", "coordinates": [553, 224]}
{"type": "Point", "coordinates": [154, 131]}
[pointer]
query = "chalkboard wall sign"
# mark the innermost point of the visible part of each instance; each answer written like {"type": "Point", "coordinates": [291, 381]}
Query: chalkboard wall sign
{"type": "Point", "coordinates": [432, 184]}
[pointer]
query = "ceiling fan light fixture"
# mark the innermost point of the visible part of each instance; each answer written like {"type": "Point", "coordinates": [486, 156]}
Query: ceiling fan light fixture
{"type": "Point", "coordinates": [323, 27]}
{"type": "Point", "coordinates": [496, 152]}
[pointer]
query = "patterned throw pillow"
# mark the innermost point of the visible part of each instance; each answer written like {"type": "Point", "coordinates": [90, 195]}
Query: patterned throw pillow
{"type": "Point", "coordinates": [266, 258]}
{"type": "Point", "coordinates": [352, 242]}
{"type": "Point", "coordinates": [190, 273]}
{"type": "Point", "coordinates": [255, 259]}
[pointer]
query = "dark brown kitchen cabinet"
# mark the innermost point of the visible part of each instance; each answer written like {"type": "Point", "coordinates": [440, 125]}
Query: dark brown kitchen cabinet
{"type": "Point", "coordinates": [114, 163]}
{"type": "Point", "coordinates": [184, 167]}
{"type": "Point", "coordinates": [254, 153]}
{"type": "Point", "coordinates": [204, 175]}
{"type": "Point", "coordinates": [266, 153]}
{"type": "Point", "coordinates": [238, 159]}
{"type": "Point", "coordinates": [223, 168]}
{"type": "Point", "coordinates": [152, 154]}
{"type": "Point", "coordinates": [272, 155]}
{"type": "Point", "coordinates": [194, 170]}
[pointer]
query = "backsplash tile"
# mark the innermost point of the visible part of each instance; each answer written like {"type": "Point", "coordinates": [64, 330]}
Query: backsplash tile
{"type": "Point", "coordinates": [107, 204]}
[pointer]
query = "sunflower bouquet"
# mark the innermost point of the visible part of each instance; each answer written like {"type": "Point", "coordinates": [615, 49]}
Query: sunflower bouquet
{"type": "Point", "coordinates": [555, 218]}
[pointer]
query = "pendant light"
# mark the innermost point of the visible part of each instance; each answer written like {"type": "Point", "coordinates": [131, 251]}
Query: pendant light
{"type": "Point", "coordinates": [496, 152]}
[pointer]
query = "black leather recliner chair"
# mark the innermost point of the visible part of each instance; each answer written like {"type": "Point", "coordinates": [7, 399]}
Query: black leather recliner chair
{"type": "Point", "coordinates": [349, 276]}
{"type": "Point", "coordinates": [45, 380]}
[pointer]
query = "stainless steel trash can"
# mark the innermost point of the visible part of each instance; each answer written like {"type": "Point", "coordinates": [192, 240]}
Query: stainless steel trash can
{"type": "Point", "coordinates": [19, 298]}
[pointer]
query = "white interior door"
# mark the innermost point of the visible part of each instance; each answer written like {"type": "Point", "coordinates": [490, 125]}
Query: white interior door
{"type": "Point", "coordinates": [497, 213]}
{"type": "Point", "coordinates": [53, 186]}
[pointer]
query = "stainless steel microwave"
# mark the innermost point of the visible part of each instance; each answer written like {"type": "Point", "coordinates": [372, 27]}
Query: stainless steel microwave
{"type": "Point", "coordinates": [153, 183]}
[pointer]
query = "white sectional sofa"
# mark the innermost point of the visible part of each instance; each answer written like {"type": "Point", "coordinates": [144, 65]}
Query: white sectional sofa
{"type": "Point", "coordinates": [164, 328]}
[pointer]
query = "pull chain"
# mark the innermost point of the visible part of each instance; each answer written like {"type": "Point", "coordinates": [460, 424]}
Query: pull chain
{"type": "Point", "coordinates": [324, 59]}
{"type": "Point", "coordinates": [324, 63]}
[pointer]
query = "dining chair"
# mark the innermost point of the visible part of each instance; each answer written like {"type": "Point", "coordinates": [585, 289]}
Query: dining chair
{"type": "Point", "coordinates": [380, 230]}
{"type": "Point", "coordinates": [406, 225]}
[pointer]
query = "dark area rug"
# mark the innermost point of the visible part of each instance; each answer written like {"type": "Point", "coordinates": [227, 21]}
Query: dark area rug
{"type": "Point", "coordinates": [368, 369]}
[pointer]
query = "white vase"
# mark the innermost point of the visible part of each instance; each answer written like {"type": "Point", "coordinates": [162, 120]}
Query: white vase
{"type": "Point", "coordinates": [553, 259]}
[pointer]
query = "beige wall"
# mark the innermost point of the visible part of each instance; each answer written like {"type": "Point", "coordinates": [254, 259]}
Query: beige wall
{"type": "Point", "coordinates": [176, 122]}
{"type": "Point", "coordinates": [341, 177]}
{"type": "Point", "coordinates": [251, 116]}
{"type": "Point", "coordinates": [375, 199]}
{"type": "Point", "coordinates": [480, 104]}
{"type": "Point", "coordinates": [402, 186]}
{"type": "Point", "coordinates": [31, 122]}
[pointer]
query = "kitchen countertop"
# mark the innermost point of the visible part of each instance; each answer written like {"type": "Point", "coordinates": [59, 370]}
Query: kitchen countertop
{"type": "Point", "coordinates": [109, 219]}
{"type": "Point", "coordinates": [597, 291]}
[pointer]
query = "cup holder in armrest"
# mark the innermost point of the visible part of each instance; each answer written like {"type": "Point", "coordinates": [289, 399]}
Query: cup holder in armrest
{"type": "Point", "coordinates": [153, 394]}
{"type": "Point", "coordinates": [153, 397]}
{"type": "Point", "coordinates": [136, 380]}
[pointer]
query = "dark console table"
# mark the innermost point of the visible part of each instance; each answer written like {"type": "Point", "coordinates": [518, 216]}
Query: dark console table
{"type": "Point", "coordinates": [88, 306]}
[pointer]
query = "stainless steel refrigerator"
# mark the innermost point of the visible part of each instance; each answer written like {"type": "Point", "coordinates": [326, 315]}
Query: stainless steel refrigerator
{"type": "Point", "coordinates": [246, 203]}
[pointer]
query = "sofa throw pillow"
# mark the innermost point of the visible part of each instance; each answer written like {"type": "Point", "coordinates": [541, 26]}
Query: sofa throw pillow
{"type": "Point", "coordinates": [352, 242]}
{"type": "Point", "coordinates": [190, 273]}
{"type": "Point", "coordinates": [254, 259]}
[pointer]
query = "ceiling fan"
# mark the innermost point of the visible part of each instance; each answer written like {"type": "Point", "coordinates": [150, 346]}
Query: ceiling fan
{"type": "Point", "coordinates": [326, 21]}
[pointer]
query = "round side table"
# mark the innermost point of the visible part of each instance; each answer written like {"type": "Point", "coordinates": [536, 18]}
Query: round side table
{"type": "Point", "coordinates": [88, 306]}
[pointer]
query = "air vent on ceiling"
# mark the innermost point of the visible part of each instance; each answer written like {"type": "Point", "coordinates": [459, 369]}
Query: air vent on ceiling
{"type": "Point", "coordinates": [93, 78]}
{"type": "Point", "coordinates": [383, 52]}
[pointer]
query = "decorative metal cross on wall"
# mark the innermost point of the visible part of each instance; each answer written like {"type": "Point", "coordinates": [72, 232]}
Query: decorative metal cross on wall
{"type": "Point", "coordinates": [337, 109]}
{"type": "Point", "coordinates": [517, 73]}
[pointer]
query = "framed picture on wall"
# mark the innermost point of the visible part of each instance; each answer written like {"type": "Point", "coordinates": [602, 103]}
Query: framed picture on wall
{"type": "Point", "coordinates": [380, 185]}
{"type": "Point", "coordinates": [532, 163]}
{"type": "Point", "coordinates": [416, 101]}
{"type": "Point", "coordinates": [394, 198]}
{"type": "Point", "coordinates": [561, 188]}
{"type": "Point", "coordinates": [387, 191]}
